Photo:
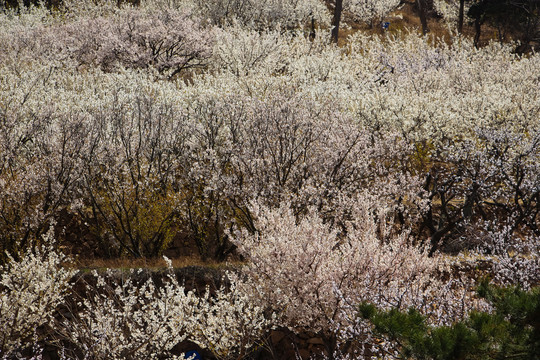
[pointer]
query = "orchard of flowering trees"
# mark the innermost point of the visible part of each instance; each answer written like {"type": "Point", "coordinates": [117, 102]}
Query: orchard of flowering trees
{"type": "Point", "coordinates": [395, 170]}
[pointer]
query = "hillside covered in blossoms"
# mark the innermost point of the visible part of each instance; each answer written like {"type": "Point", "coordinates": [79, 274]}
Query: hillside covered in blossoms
{"type": "Point", "coordinates": [356, 179]}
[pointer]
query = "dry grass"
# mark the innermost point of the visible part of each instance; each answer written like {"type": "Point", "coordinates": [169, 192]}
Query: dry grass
{"type": "Point", "coordinates": [148, 263]}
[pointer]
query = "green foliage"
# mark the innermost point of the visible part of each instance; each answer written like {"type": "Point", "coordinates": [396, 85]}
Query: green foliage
{"type": "Point", "coordinates": [512, 330]}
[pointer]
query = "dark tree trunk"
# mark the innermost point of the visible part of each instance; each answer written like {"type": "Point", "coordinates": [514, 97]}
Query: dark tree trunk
{"type": "Point", "coordinates": [312, 33]}
{"type": "Point", "coordinates": [422, 11]}
{"type": "Point", "coordinates": [461, 14]}
{"type": "Point", "coordinates": [336, 20]}
{"type": "Point", "coordinates": [478, 29]}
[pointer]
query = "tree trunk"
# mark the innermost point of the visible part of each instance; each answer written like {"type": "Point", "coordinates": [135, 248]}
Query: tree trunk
{"type": "Point", "coordinates": [422, 11]}
{"type": "Point", "coordinates": [478, 29]}
{"type": "Point", "coordinates": [336, 20]}
{"type": "Point", "coordinates": [312, 33]}
{"type": "Point", "coordinates": [461, 14]}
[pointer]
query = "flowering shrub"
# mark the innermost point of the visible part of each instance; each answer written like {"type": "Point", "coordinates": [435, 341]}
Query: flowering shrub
{"type": "Point", "coordinates": [120, 317]}
{"type": "Point", "coordinates": [167, 40]}
{"type": "Point", "coordinates": [316, 274]}
{"type": "Point", "coordinates": [41, 169]}
{"type": "Point", "coordinates": [130, 176]}
{"type": "Point", "coordinates": [124, 318]}
{"type": "Point", "coordinates": [229, 323]}
{"type": "Point", "coordinates": [30, 291]}
{"type": "Point", "coordinates": [512, 258]}
{"type": "Point", "coordinates": [483, 179]}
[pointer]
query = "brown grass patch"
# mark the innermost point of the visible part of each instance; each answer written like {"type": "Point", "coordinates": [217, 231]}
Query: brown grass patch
{"type": "Point", "coordinates": [148, 263]}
